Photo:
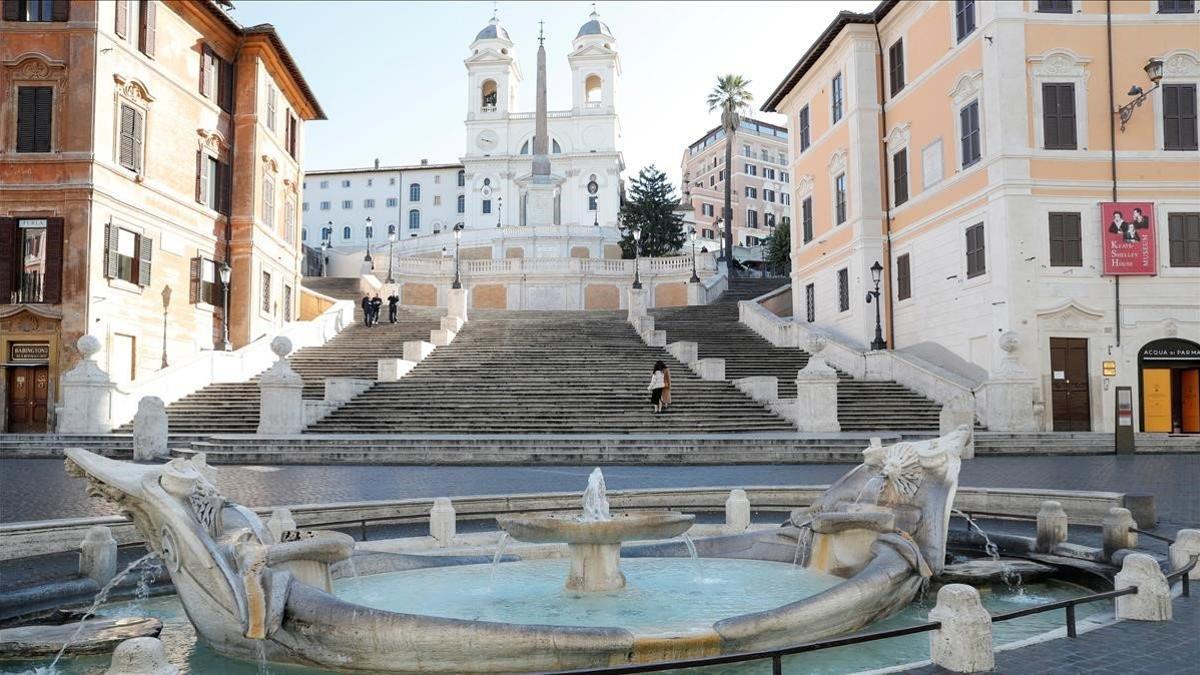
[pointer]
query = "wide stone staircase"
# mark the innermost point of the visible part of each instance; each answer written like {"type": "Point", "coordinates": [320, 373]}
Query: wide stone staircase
{"type": "Point", "coordinates": [232, 407]}
{"type": "Point", "coordinates": [862, 405]}
{"type": "Point", "coordinates": [544, 373]}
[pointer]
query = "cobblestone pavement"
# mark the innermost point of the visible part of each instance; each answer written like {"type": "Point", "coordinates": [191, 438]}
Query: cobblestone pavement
{"type": "Point", "coordinates": [36, 489]}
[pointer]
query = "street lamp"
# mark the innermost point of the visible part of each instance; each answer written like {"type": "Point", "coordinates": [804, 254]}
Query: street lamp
{"type": "Point", "coordinates": [499, 210]}
{"type": "Point", "coordinates": [695, 277]}
{"type": "Point", "coordinates": [226, 270]}
{"type": "Point", "coordinates": [458, 229]}
{"type": "Point", "coordinates": [367, 257]}
{"type": "Point", "coordinates": [637, 238]}
{"type": "Point", "coordinates": [1154, 71]}
{"type": "Point", "coordinates": [876, 276]}
{"type": "Point", "coordinates": [391, 241]}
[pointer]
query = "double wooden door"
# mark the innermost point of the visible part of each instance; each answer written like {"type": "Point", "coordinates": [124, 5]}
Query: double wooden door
{"type": "Point", "coordinates": [1069, 384]}
{"type": "Point", "coordinates": [28, 388]}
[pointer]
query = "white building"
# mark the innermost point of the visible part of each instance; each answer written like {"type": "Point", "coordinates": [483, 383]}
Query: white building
{"type": "Point", "coordinates": [408, 201]}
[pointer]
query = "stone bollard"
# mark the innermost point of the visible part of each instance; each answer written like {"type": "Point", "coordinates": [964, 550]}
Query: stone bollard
{"type": "Point", "coordinates": [816, 392]}
{"type": "Point", "coordinates": [456, 303]}
{"type": "Point", "coordinates": [281, 404]}
{"type": "Point", "coordinates": [98, 555]}
{"type": "Point", "coordinates": [685, 351]}
{"type": "Point", "coordinates": [390, 370]}
{"type": "Point", "coordinates": [150, 430]}
{"type": "Point", "coordinates": [86, 393]}
{"type": "Point", "coordinates": [956, 412]}
{"type": "Point", "coordinates": [439, 337]}
{"type": "Point", "coordinates": [1051, 526]}
{"type": "Point", "coordinates": [417, 350]}
{"type": "Point", "coordinates": [737, 511]}
{"type": "Point", "coordinates": [964, 642]}
{"type": "Point", "coordinates": [281, 521]}
{"type": "Point", "coordinates": [1117, 536]}
{"type": "Point", "coordinates": [442, 521]}
{"type": "Point", "coordinates": [451, 323]}
{"type": "Point", "coordinates": [1187, 545]}
{"type": "Point", "coordinates": [1152, 602]}
{"type": "Point", "coordinates": [141, 656]}
{"type": "Point", "coordinates": [710, 369]}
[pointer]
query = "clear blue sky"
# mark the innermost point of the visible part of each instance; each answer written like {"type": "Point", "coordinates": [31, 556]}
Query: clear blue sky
{"type": "Point", "coordinates": [390, 75]}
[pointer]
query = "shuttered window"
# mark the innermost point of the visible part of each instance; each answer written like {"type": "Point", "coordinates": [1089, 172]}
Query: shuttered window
{"type": "Point", "coordinates": [266, 292]}
{"type": "Point", "coordinates": [843, 281]}
{"type": "Point", "coordinates": [1066, 240]}
{"type": "Point", "coordinates": [1054, 6]}
{"type": "Point", "coordinates": [216, 79]}
{"type": "Point", "coordinates": [208, 180]}
{"type": "Point", "coordinates": [1179, 116]}
{"type": "Point", "coordinates": [147, 18]}
{"type": "Point", "coordinates": [208, 74]}
{"type": "Point", "coordinates": [289, 220]}
{"type": "Point", "coordinates": [836, 97]}
{"type": "Point", "coordinates": [903, 278]}
{"type": "Point", "coordinates": [31, 260]}
{"type": "Point", "coordinates": [1058, 116]}
{"type": "Point", "coordinates": [127, 255]}
{"type": "Point", "coordinates": [121, 28]}
{"type": "Point", "coordinates": [35, 113]}
{"type": "Point", "coordinates": [964, 18]}
{"type": "Point", "coordinates": [806, 219]}
{"type": "Point", "coordinates": [1176, 6]}
{"type": "Point", "coordinates": [225, 85]}
{"type": "Point", "coordinates": [896, 66]}
{"type": "Point", "coordinates": [205, 284]}
{"type": "Point", "coordinates": [839, 198]}
{"type": "Point", "coordinates": [976, 260]}
{"type": "Point", "coordinates": [287, 303]}
{"type": "Point", "coordinates": [293, 133]}
{"type": "Point", "coordinates": [272, 94]}
{"type": "Point", "coordinates": [131, 140]}
{"type": "Point", "coordinates": [900, 176]}
{"type": "Point", "coordinates": [804, 129]}
{"type": "Point", "coordinates": [810, 303]}
{"type": "Point", "coordinates": [1183, 238]}
{"type": "Point", "coordinates": [968, 119]}
{"type": "Point", "coordinates": [268, 202]}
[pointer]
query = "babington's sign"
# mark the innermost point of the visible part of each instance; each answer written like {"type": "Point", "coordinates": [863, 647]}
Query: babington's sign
{"type": "Point", "coordinates": [29, 351]}
{"type": "Point", "coordinates": [1128, 237]}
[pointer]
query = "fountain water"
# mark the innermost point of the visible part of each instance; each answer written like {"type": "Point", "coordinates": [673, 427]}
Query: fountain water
{"type": "Point", "coordinates": [101, 596]}
{"type": "Point", "coordinates": [496, 558]}
{"type": "Point", "coordinates": [595, 498]}
{"type": "Point", "coordinates": [1007, 575]}
{"type": "Point", "coordinates": [691, 547]}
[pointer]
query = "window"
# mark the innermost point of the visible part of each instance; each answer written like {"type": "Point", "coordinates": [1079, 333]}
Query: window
{"type": "Point", "coordinates": [592, 202]}
{"type": "Point", "coordinates": [783, 177]}
{"type": "Point", "coordinates": [1054, 6]}
{"type": "Point", "coordinates": [764, 155]}
{"type": "Point", "coordinates": [392, 180]}
{"type": "Point", "coordinates": [768, 173]}
{"type": "Point", "coordinates": [752, 218]}
{"type": "Point", "coordinates": [900, 176]}
{"type": "Point", "coordinates": [1164, 7]}
{"type": "Point", "coordinates": [721, 174]}
{"type": "Point", "coordinates": [210, 175]}
{"type": "Point", "coordinates": [326, 233]}
{"type": "Point", "coordinates": [836, 97]}
{"type": "Point", "coordinates": [968, 119]}
{"type": "Point", "coordinates": [35, 10]}
{"type": "Point", "coordinates": [305, 206]}
{"type": "Point", "coordinates": [746, 151]}
{"type": "Point", "coordinates": [346, 232]}
{"type": "Point", "coordinates": [487, 206]}
{"type": "Point", "coordinates": [706, 210]}
{"type": "Point", "coordinates": [324, 206]}
{"type": "Point", "coordinates": [368, 203]}
{"type": "Point", "coordinates": [391, 229]}
{"type": "Point", "coordinates": [437, 180]}
{"type": "Point", "coordinates": [393, 202]}
{"type": "Point", "coordinates": [289, 220]}
{"type": "Point", "coordinates": [346, 183]}
{"type": "Point", "coordinates": [804, 130]}
{"type": "Point", "coordinates": [147, 18]}
{"type": "Point", "coordinates": [272, 95]}
{"type": "Point", "coordinates": [204, 287]}
{"type": "Point", "coordinates": [347, 203]}
{"type": "Point", "coordinates": [31, 270]}
{"type": "Point", "coordinates": [712, 180]}
{"type": "Point", "coordinates": [976, 262]}
{"type": "Point", "coordinates": [964, 18]}
{"type": "Point", "coordinates": [370, 182]}
{"type": "Point", "coordinates": [839, 199]}
{"type": "Point", "coordinates": [769, 220]}
{"type": "Point", "coordinates": [896, 66]}
{"type": "Point", "coordinates": [462, 204]}
{"type": "Point", "coordinates": [843, 280]}
{"type": "Point", "coordinates": [752, 193]}
{"type": "Point", "coordinates": [127, 255]}
{"type": "Point", "coordinates": [324, 185]}
{"type": "Point", "coordinates": [287, 303]}
{"type": "Point", "coordinates": [304, 234]}
{"type": "Point", "coordinates": [1058, 115]}
{"type": "Point", "coordinates": [903, 278]}
{"type": "Point", "coordinates": [488, 96]}
{"type": "Point", "coordinates": [783, 158]}
{"type": "Point", "coordinates": [768, 195]}
{"type": "Point", "coordinates": [462, 178]}
{"type": "Point", "coordinates": [414, 192]}
{"type": "Point", "coordinates": [1179, 116]}
{"type": "Point", "coordinates": [129, 153]}
{"type": "Point", "coordinates": [437, 200]}
{"type": "Point", "coordinates": [216, 79]}
{"type": "Point", "coordinates": [810, 303]}
{"type": "Point", "coordinates": [34, 116]}
{"type": "Point", "coordinates": [1066, 241]}
{"type": "Point", "coordinates": [806, 220]}
{"type": "Point", "coordinates": [1183, 239]}
{"type": "Point", "coordinates": [785, 199]}
{"type": "Point", "coordinates": [268, 203]}
{"type": "Point", "coordinates": [750, 170]}
{"type": "Point", "coordinates": [266, 292]}
{"type": "Point", "coordinates": [414, 219]}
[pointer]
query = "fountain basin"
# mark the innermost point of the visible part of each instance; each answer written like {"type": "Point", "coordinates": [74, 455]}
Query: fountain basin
{"type": "Point", "coordinates": [569, 529]}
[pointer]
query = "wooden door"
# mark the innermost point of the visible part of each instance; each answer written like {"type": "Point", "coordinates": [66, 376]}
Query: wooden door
{"type": "Point", "coordinates": [27, 390]}
{"type": "Point", "coordinates": [1189, 401]}
{"type": "Point", "coordinates": [1069, 384]}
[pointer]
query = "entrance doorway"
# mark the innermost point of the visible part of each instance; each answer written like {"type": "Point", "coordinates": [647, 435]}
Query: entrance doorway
{"type": "Point", "coordinates": [1069, 384]}
{"type": "Point", "coordinates": [28, 387]}
{"type": "Point", "coordinates": [1169, 372]}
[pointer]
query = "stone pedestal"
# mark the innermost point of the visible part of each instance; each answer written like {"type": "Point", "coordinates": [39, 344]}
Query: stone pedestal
{"type": "Point", "coordinates": [685, 351]}
{"type": "Point", "coordinates": [281, 405]}
{"type": "Point", "coordinates": [451, 323]}
{"type": "Point", "coordinates": [98, 555]}
{"type": "Point", "coordinates": [595, 567]}
{"type": "Point", "coordinates": [816, 392]}
{"type": "Point", "coordinates": [963, 644]}
{"type": "Point", "coordinates": [637, 304]}
{"type": "Point", "coordinates": [710, 369]}
{"type": "Point", "coordinates": [737, 511]}
{"type": "Point", "coordinates": [441, 337]}
{"type": "Point", "coordinates": [1152, 602]}
{"type": "Point", "coordinates": [696, 294]}
{"type": "Point", "coordinates": [1051, 526]}
{"type": "Point", "coordinates": [150, 430]}
{"type": "Point", "coordinates": [1187, 544]}
{"type": "Point", "coordinates": [86, 394]}
{"type": "Point", "coordinates": [141, 656]}
{"type": "Point", "coordinates": [417, 350]}
{"type": "Point", "coordinates": [1010, 392]}
{"type": "Point", "coordinates": [456, 303]}
{"type": "Point", "coordinates": [1115, 526]}
{"type": "Point", "coordinates": [390, 370]}
{"type": "Point", "coordinates": [959, 411]}
{"type": "Point", "coordinates": [442, 521]}
{"type": "Point", "coordinates": [761, 388]}
{"type": "Point", "coordinates": [281, 521]}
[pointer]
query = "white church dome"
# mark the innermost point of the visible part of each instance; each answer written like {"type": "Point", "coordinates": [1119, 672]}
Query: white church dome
{"type": "Point", "coordinates": [594, 27]}
{"type": "Point", "coordinates": [493, 31]}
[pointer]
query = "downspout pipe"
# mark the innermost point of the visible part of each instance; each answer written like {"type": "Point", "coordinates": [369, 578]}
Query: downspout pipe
{"type": "Point", "coordinates": [1112, 145]}
{"type": "Point", "coordinates": [887, 202]}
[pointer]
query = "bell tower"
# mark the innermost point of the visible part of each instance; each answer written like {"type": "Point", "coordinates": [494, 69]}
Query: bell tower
{"type": "Point", "coordinates": [595, 67]}
{"type": "Point", "coordinates": [493, 74]}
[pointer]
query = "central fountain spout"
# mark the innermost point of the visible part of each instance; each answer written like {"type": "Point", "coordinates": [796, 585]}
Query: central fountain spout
{"type": "Point", "coordinates": [594, 538]}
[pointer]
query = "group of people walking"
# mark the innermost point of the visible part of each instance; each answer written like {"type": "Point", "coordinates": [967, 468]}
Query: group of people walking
{"type": "Point", "coordinates": [372, 305]}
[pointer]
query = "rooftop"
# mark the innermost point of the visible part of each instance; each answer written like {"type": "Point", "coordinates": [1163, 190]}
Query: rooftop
{"type": "Point", "coordinates": [380, 169]}
{"type": "Point", "coordinates": [748, 124]}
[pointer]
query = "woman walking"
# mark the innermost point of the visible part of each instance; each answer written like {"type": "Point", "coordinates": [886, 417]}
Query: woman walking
{"type": "Point", "coordinates": [657, 383]}
{"type": "Point", "coordinates": [666, 395]}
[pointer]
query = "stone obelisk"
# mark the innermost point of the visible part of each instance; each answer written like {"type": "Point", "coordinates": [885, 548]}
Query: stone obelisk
{"type": "Point", "coordinates": [542, 188]}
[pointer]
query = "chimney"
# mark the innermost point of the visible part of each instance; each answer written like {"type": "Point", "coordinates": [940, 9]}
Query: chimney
{"type": "Point", "coordinates": [424, 162]}
{"type": "Point", "coordinates": [376, 162]}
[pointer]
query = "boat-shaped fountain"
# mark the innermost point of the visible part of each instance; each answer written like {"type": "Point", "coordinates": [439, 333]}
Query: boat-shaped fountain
{"type": "Point", "coordinates": [872, 538]}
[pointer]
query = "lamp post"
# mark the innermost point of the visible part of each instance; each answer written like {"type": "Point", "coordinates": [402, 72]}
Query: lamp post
{"type": "Point", "coordinates": [637, 238]}
{"type": "Point", "coordinates": [226, 271]}
{"type": "Point", "coordinates": [457, 240]}
{"type": "Point", "coordinates": [695, 277]}
{"type": "Point", "coordinates": [166, 298]}
{"type": "Point", "coordinates": [326, 244]}
{"type": "Point", "coordinates": [367, 257]}
{"type": "Point", "coordinates": [499, 210]}
{"type": "Point", "coordinates": [1154, 71]}
{"type": "Point", "coordinates": [391, 242]}
{"type": "Point", "coordinates": [876, 276]}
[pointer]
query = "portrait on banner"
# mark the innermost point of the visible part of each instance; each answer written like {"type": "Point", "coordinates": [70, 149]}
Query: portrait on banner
{"type": "Point", "coordinates": [1128, 235]}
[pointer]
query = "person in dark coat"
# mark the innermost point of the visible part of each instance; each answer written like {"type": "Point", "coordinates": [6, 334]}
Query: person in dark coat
{"type": "Point", "coordinates": [393, 300]}
{"type": "Point", "coordinates": [366, 308]}
{"type": "Point", "coordinates": [376, 303]}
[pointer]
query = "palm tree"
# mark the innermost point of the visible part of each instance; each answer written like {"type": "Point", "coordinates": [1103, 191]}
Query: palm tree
{"type": "Point", "coordinates": [732, 97]}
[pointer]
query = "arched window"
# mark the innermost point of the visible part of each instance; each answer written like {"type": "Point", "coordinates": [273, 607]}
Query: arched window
{"type": "Point", "coordinates": [346, 232]}
{"type": "Point", "coordinates": [414, 219]}
{"type": "Point", "coordinates": [414, 192]}
{"type": "Point", "coordinates": [462, 178]}
{"type": "Point", "coordinates": [326, 233]}
{"type": "Point", "coordinates": [555, 148]}
{"type": "Point", "coordinates": [391, 229]}
{"type": "Point", "coordinates": [525, 148]}
{"type": "Point", "coordinates": [488, 96]}
{"type": "Point", "coordinates": [592, 88]}
{"type": "Point", "coordinates": [304, 234]}
{"type": "Point", "coordinates": [462, 203]}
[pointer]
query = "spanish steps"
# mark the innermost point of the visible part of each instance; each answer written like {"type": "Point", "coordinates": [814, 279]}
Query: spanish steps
{"type": "Point", "coordinates": [862, 405]}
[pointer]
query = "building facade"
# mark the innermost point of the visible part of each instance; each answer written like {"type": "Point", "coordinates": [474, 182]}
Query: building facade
{"type": "Point", "coordinates": [980, 177]}
{"type": "Point", "coordinates": [132, 169]}
{"type": "Point", "coordinates": [761, 189]}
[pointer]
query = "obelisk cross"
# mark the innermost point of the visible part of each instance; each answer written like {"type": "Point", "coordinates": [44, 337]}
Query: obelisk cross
{"type": "Point", "coordinates": [541, 35]}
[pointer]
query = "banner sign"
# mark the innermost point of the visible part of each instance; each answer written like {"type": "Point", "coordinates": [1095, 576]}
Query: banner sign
{"type": "Point", "coordinates": [1129, 243]}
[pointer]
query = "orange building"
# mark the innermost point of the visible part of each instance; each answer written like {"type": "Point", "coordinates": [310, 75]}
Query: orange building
{"type": "Point", "coordinates": [970, 148]}
{"type": "Point", "coordinates": [143, 146]}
